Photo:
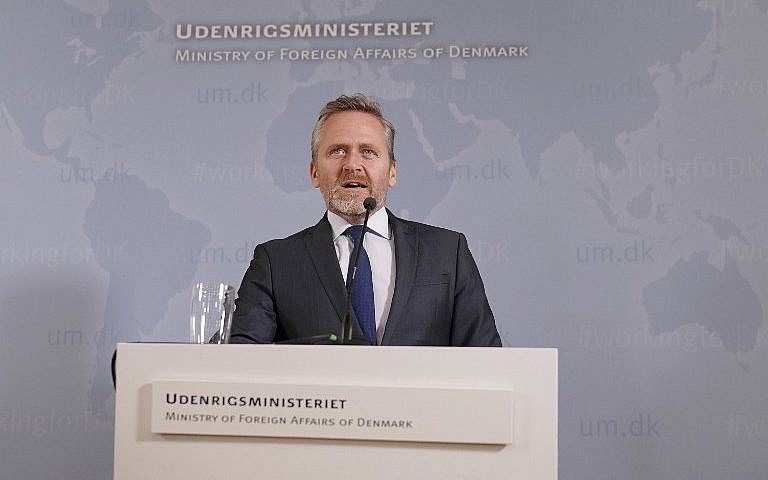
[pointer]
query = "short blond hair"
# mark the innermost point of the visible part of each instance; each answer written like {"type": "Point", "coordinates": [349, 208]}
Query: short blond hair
{"type": "Point", "coordinates": [353, 103]}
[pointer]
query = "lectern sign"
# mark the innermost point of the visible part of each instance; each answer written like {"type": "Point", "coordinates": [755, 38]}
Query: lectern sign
{"type": "Point", "coordinates": [421, 414]}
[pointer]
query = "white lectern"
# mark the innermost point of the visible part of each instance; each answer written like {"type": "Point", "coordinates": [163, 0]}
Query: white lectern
{"type": "Point", "coordinates": [329, 412]}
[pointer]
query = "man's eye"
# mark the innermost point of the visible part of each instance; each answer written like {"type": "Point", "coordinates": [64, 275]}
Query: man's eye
{"type": "Point", "coordinates": [368, 153]}
{"type": "Point", "coordinates": [336, 152]}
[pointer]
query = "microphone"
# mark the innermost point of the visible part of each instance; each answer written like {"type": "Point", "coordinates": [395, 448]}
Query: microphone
{"type": "Point", "coordinates": [369, 204]}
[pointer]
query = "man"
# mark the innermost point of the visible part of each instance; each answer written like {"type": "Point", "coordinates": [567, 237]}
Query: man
{"type": "Point", "coordinates": [416, 284]}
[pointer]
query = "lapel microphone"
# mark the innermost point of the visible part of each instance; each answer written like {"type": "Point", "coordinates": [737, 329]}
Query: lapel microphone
{"type": "Point", "coordinates": [369, 204]}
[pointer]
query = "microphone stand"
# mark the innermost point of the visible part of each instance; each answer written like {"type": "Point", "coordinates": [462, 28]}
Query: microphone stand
{"type": "Point", "coordinates": [346, 323]}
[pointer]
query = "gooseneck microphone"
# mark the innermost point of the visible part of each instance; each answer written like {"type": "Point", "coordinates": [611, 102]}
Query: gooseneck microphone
{"type": "Point", "coordinates": [369, 204]}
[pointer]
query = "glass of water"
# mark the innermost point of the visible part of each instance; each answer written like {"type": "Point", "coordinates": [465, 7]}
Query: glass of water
{"type": "Point", "coordinates": [210, 312]}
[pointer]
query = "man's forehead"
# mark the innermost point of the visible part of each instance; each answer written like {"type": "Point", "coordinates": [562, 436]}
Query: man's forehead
{"type": "Point", "coordinates": [353, 126]}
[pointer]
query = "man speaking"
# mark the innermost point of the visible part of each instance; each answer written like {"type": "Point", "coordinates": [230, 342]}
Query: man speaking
{"type": "Point", "coordinates": [414, 284]}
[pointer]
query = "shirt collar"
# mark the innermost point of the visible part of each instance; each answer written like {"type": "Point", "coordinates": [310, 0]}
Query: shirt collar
{"type": "Point", "coordinates": [377, 223]}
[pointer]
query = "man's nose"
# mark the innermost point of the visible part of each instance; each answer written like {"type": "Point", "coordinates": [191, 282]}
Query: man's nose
{"type": "Point", "coordinates": [353, 161]}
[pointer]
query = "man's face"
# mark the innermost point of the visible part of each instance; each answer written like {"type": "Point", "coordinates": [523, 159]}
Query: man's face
{"type": "Point", "coordinates": [352, 163]}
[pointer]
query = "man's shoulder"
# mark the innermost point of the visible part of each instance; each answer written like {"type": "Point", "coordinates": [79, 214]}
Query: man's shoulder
{"type": "Point", "coordinates": [296, 239]}
{"type": "Point", "coordinates": [424, 229]}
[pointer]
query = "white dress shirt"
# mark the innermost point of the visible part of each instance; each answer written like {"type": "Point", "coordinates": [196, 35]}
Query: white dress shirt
{"type": "Point", "coordinates": [380, 247]}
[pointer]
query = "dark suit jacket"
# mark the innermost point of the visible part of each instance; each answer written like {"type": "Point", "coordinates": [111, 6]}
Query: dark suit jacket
{"type": "Point", "coordinates": [294, 288]}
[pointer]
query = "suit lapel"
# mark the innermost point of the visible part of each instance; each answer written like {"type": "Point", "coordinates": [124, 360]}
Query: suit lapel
{"type": "Point", "coordinates": [406, 257]}
{"type": "Point", "coordinates": [319, 242]}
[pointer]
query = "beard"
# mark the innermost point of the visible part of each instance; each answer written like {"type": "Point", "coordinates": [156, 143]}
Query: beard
{"type": "Point", "coordinates": [349, 202]}
{"type": "Point", "coordinates": [346, 206]}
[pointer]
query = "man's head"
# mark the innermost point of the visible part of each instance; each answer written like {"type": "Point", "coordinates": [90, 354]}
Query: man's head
{"type": "Point", "coordinates": [352, 155]}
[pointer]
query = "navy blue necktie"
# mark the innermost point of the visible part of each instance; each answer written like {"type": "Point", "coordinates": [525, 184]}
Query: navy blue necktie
{"type": "Point", "coordinates": [362, 290]}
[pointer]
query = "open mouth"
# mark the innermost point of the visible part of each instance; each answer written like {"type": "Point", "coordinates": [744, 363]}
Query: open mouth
{"type": "Point", "coordinates": [354, 184]}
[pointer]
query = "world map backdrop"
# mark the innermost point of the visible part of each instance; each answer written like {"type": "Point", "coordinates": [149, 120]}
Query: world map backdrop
{"type": "Point", "coordinates": [610, 178]}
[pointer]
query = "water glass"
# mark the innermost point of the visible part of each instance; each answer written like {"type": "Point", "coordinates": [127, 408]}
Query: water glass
{"type": "Point", "coordinates": [210, 312]}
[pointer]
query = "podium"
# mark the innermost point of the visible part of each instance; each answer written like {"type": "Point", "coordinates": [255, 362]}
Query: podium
{"type": "Point", "coordinates": [327, 412]}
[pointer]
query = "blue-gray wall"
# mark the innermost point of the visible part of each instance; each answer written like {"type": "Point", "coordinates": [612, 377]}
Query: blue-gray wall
{"type": "Point", "coordinates": [612, 184]}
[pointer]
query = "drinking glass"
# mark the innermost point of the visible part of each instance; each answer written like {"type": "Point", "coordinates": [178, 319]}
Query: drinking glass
{"type": "Point", "coordinates": [210, 312]}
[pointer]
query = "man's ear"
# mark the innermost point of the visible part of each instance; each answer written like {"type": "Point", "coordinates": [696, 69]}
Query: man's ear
{"type": "Point", "coordinates": [392, 174]}
{"type": "Point", "coordinates": [313, 174]}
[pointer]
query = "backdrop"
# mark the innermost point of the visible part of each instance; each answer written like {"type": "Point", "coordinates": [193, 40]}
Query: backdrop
{"type": "Point", "coordinates": [606, 159]}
